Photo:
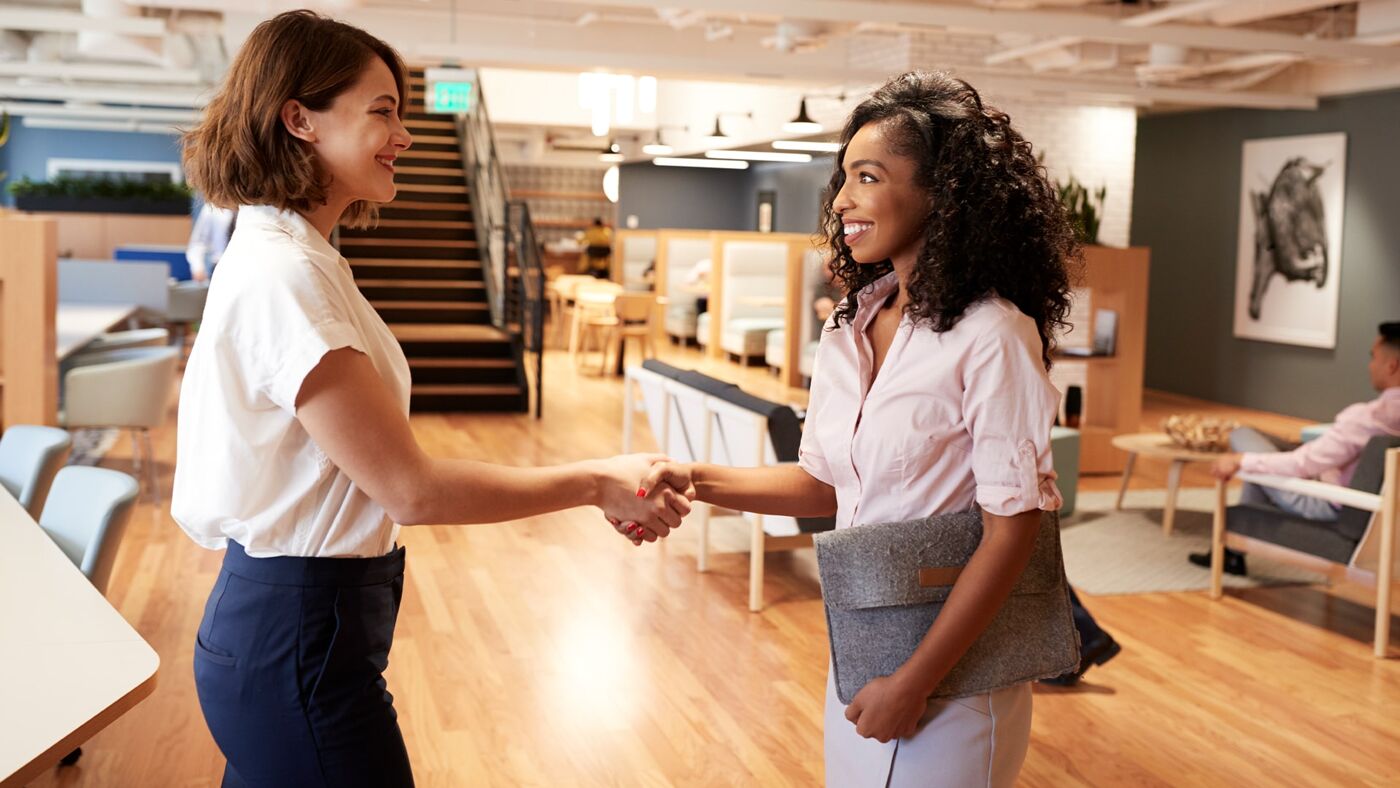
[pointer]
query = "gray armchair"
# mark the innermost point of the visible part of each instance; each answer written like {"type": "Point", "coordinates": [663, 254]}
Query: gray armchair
{"type": "Point", "coordinates": [1360, 544]}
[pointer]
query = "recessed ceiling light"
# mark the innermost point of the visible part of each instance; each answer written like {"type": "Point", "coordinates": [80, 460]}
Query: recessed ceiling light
{"type": "Point", "coordinates": [757, 155]}
{"type": "Point", "coordinates": [814, 147]}
{"type": "Point", "coordinates": [712, 164]}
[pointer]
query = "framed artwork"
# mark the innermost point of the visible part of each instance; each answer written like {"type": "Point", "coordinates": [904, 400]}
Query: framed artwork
{"type": "Point", "coordinates": [1289, 259]}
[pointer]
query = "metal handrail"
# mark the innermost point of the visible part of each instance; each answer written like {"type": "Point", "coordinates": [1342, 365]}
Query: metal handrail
{"type": "Point", "coordinates": [504, 232]}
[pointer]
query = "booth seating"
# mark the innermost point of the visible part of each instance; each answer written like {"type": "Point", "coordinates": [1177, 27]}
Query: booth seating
{"type": "Point", "coordinates": [752, 275]}
{"type": "Point", "coordinates": [699, 418]}
{"type": "Point", "coordinates": [638, 252]}
{"type": "Point", "coordinates": [682, 305]}
{"type": "Point", "coordinates": [1359, 545]}
{"type": "Point", "coordinates": [774, 354]}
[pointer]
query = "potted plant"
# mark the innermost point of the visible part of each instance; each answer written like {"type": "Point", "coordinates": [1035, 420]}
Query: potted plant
{"type": "Point", "coordinates": [1085, 208]}
{"type": "Point", "coordinates": [101, 195]}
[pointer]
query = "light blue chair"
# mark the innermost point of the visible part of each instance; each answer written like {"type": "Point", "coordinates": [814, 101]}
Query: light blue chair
{"type": "Point", "coordinates": [86, 514]}
{"type": "Point", "coordinates": [1064, 446]}
{"type": "Point", "coordinates": [29, 457]}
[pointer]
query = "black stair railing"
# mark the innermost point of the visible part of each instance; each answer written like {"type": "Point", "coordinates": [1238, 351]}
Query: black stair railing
{"type": "Point", "coordinates": [506, 240]}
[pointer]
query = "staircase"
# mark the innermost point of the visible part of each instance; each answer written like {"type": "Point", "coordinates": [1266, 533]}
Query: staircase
{"type": "Point", "coordinates": [421, 270]}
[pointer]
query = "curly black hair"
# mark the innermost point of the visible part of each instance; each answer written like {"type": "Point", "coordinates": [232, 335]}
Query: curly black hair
{"type": "Point", "coordinates": [996, 227]}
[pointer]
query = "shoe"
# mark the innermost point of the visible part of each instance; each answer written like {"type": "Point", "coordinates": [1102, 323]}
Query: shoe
{"type": "Point", "coordinates": [1096, 652]}
{"type": "Point", "coordinates": [1234, 561]}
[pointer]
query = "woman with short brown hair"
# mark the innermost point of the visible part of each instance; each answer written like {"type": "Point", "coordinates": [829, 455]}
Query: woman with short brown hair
{"type": "Point", "coordinates": [295, 451]}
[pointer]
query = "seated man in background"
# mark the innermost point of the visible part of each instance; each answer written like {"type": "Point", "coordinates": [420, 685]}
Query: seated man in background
{"type": "Point", "coordinates": [1331, 458]}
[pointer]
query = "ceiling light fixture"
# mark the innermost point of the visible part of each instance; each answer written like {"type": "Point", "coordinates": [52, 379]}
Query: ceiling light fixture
{"type": "Point", "coordinates": [814, 147]}
{"type": "Point", "coordinates": [710, 164]}
{"type": "Point", "coordinates": [803, 123]}
{"type": "Point", "coordinates": [757, 155]}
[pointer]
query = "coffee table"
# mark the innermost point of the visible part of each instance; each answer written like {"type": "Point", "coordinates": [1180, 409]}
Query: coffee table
{"type": "Point", "coordinates": [1157, 445]}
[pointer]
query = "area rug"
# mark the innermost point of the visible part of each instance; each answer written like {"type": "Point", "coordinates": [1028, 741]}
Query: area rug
{"type": "Point", "coordinates": [1110, 552]}
{"type": "Point", "coordinates": [91, 445]}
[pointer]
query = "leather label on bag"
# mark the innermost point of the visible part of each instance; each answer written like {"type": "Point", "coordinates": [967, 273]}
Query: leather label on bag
{"type": "Point", "coordinates": [938, 576]}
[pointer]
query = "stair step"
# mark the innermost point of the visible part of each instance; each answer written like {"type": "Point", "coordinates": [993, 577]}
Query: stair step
{"type": "Point", "coordinates": [446, 284]}
{"type": "Point", "coordinates": [433, 139]}
{"type": "Point", "coordinates": [381, 241]}
{"type": "Point", "coordinates": [444, 155]}
{"type": "Point", "coordinates": [466, 389]}
{"type": "Point", "coordinates": [447, 332]}
{"type": "Point", "coordinates": [427, 224]}
{"type": "Point", "coordinates": [444, 171]}
{"type": "Point", "coordinates": [427, 124]}
{"type": "Point", "coordinates": [430, 306]}
{"type": "Point", "coordinates": [461, 363]}
{"type": "Point", "coordinates": [408, 262]}
{"type": "Point", "coordinates": [461, 206]}
{"type": "Point", "coordinates": [435, 188]}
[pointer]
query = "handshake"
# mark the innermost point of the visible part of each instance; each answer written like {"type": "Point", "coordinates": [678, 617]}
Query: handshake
{"type": "Point", "coordinates": [644, 496]}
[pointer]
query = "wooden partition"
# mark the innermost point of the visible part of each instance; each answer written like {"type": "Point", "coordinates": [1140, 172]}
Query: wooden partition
{"type": "Point", "coordinates": [1113, 279]}
{"type": "Point", "coordinates": [94, 236]}
{"type": "Point", "coordinates": [798, 245]}
{"type": "Point", "coordinates": [28, 303]}
{"type": "Point", "coordinates": [625, 241]}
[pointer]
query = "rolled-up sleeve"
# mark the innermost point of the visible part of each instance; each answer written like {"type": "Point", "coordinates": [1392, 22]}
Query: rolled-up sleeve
{"type": "Point", "coordinates": [1009, 406]}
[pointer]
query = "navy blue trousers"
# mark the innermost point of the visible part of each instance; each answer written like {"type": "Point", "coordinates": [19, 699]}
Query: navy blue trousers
{"type": "Point", "coordinates": [289, 663]}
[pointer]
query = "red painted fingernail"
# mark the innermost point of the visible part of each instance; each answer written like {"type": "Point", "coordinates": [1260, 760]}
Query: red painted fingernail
{"type": "Point", "coordinates": [641, 492]}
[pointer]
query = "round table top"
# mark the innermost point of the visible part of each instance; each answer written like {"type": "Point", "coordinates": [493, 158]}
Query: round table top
{"type": "Point", "coordinates": [1159, 444]}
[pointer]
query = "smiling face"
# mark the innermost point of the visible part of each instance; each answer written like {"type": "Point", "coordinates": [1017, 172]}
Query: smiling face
{"type": "Point", "coordinates": [356, 138]}
{"type": "Point", "coordinates": [882, 207]}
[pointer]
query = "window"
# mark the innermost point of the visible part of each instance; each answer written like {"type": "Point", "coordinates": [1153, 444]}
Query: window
{"type": "Point", "coordinates": [142, 171]}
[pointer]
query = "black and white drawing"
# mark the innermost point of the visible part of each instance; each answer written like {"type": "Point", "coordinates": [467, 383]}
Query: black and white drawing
{"type": "Point", "coordinates": [1290, 243]}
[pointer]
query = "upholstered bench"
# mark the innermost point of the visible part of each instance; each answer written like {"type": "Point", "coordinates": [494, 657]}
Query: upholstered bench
{"type": "Point", "coordinates": [773, 354]}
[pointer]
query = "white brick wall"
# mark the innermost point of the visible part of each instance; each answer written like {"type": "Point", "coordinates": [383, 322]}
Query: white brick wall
{"type": "Point", "coordinates": [1095, 144]}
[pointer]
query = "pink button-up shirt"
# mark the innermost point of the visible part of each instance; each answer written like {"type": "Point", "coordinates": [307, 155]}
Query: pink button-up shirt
{"type": "Point", "coordinates": [1333, 455]}
{"type": "Point", "coordinates": [953, 418]}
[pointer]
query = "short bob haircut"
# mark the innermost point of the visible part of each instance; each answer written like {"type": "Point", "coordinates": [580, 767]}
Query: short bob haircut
{"type": "Point", "coordinates": [241, 154]}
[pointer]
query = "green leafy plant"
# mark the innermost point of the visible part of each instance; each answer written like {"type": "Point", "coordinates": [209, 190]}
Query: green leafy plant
{"type": "Point", "coordinates": [1085, 208]}
{"type": "Point", "coordinates": [101, 188]}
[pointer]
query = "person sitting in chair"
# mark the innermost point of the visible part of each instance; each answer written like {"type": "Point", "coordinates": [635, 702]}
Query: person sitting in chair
{"type": "Point", "coordinates": [1331, 458]}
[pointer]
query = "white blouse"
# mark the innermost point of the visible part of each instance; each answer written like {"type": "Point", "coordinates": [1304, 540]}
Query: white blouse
{"type": "Point", "coordinates": [952, 418]}
{"type": "Point", "coordinates": [281, 298]}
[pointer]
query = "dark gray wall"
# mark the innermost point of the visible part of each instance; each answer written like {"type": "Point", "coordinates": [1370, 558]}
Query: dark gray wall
{"type": "Point", "coordinates": [1186, 209]}
{"type": "Point", "coordinates": [799, 192]}
{"type": "Point", "coordinates": [683, 198]}
{"type": "Point", "coordinates": [692, 199]}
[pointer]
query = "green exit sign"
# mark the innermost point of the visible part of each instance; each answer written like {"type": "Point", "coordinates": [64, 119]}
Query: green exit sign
{"type": "Point", "coordinates": [452, 97]}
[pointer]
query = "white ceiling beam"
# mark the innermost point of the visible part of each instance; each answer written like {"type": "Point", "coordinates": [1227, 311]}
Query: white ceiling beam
{"type": "Point", "coordinates": [101, 73]}
{"type": "Point", "coordinates": [57, 21]}
{"type": "Point", "coordinates": [1026, 50]}
{"type": "Point", "coordinates": [1050, 23]}
{"type": "Point", "coordinates": [1242, 12]}
{"type": "Point", "coordinates": [104, 94]}
{"type": "Point", "coordinates": [35, 109]}
{"type": "Point", "coordinates": [1173, 12]}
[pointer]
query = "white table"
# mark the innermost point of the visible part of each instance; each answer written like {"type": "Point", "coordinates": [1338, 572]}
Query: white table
{"type": "Point", "coordinates": [79, 324]}
{"type": "Point", "coordinates": [69, 663]}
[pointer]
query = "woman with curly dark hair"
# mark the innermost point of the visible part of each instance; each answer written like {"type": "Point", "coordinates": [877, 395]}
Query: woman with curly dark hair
{"type": "Point", "coordinates": [929, 396]}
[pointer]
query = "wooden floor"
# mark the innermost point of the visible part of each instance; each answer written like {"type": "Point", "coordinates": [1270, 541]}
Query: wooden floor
{"type": "Point", "coordinates": [552, 652]}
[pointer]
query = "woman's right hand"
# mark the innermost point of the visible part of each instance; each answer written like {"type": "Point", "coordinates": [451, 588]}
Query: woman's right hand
{"type": "Point", "coordinates": [643, 495]}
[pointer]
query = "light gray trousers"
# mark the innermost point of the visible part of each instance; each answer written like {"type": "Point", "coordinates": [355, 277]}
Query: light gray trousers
{"type": "Point", "coordinates": [1248, 439]}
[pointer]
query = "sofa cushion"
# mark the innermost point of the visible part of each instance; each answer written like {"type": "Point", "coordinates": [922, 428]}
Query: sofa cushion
{"type": "Point", "coordinates": [1267, 524]}
{"type": "Point", "coordinates": [1370, 473]}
